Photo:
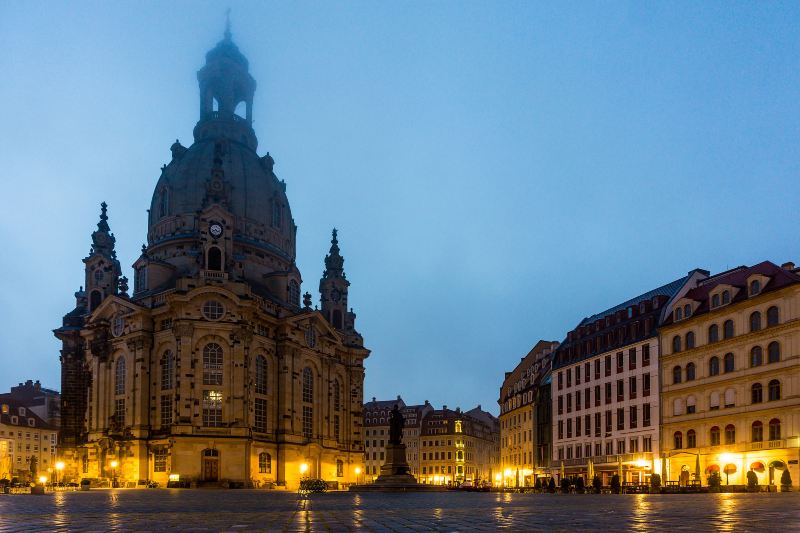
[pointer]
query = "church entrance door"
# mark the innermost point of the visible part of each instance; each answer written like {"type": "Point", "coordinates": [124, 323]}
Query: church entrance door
{"type": "Point", "coordinates": [210, 465]}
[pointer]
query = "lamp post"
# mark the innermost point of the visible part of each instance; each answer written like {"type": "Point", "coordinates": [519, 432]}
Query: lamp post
{"type": "Point", "coordinates": [358, 474]}
{"type": "Point", "coordinates": [59, 468]}
{"type": "Point", "coordinates": [114, 465]}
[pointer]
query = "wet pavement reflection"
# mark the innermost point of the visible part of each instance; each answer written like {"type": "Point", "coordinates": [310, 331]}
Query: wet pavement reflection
{"type": "Point", "coordinates": [246, 510]}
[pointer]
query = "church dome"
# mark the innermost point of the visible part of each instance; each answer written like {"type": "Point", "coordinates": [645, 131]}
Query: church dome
{"type": "Point", "coordinates": [223, 168]}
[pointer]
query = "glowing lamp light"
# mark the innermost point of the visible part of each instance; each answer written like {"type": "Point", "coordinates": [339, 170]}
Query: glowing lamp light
{"type": "Point", "coordinates": [303, 468]}
{"type": "Point", "coordinates": [174, 477]}
{"type": "Point", "coordinates": [507, 472]}
{"type": "Point", "coordinates": [114, 464]}
{"type": "Point", "coordinates": [727, 457]}
{"type": "Point", "coordinates": [641, 463]}
{"type": "Point", "coordinates": [498, 477]}
{"type": "Point", "coordinates": [60, 465]}
{"type": "Point", "coordinates": [358, 471]}
{"type": "Point", "coordinates": [42, 479]}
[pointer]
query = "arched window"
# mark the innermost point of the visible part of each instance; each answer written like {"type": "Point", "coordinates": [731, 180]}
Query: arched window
{"type": "Point", "coordinates": [774, 390]}
{"type": "Point", "coordinates": [729, 362]}
{"type": "Point", "coordinates": [687, 310]}
{"type": "Point", "coordinates": [214, 258]}
{"type": "Point", "coordinates": [294, 293]}
{"type": "Point", "coordinates": [677, 440]}
{"type": "Point", "coordinates": [691, 439]}
{"type": "Point", "coordinates": [713, 366]}
{"type": "Point", "coordinates": [119, 376]}
{"type": "Point", "coordinates": [755, 287]}
{"type": "Point", "coordinates": [727, 329]}
{"type": "Point", "coordinates": [713, 401]}
{"type": "Point", "coordinates": [714, 434]}
{"type": "Point", "coordinates": [337, 405]}
{"type": "Point", "coordinates": [691, 405]}
{"type": "Point", "coordinates": [715, 301]}
{"type": "Point", "coordinates": [212, 364]}
{"type": "Point", "coordinates": [678, 313]}
{"type": "Point", "coordinates": [167, 370]}
{"type": "Point", "coordinates": [308, 398]}
{"type": "Point", "coordinates": [730, 434]}
{"type": "Point", "coordinates": [756, 356]}
{"type": "Point", "coordinates": [264, 463]}
{"type": "Point", "coordinates": [676, 343]}
{"type": "Point", "coordinates": [690, 372]}
{"type": "Point", "coordinates": [730, 398]}
{"type": "Point", "coordinates": [756, 393]}
{"type": "Point", "coordinates": [308, 385]}
{"type": "Point", "coordinates": [677, 407]}
{"type": "Point", "coordinates": [261, 374]}
{"type": "Point", "coordinates": [94, 299]}
{"type": "Point", "coordinates": [676, 374]}
{"type": "Point", "coordinates": [773, 316]}
{"type": "Point", "coordinates": [690, 340]}
{"type": "Point", "coordinates": [726, 297]}
{"type": "Point", "coordinates": [773, 352]}
{"type": "Point", "coordinates": [755, 321]}
{"type": "Point", "coordinates": [337, 319]}
{"type": "Point", "coordinates": [774, 429]}
{"type": "Point", "coordinates": [757, 431]}
{"type": "Point", "coordinates": [713, 333]}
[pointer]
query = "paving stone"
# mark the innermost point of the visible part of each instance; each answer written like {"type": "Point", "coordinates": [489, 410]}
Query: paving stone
{"type": "Point", "coordinates": [236, 511]}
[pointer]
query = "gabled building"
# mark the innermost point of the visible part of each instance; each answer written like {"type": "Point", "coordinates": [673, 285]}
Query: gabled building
{"type": "Point", "coordinates": [525, 419]}
{"type": "Point", "coordinates": [211, 369]}
{"type": "Point", "coordinates": [730, 371]}
{"type": "Point", "coordinates": [26, 439]}
{"type": "Point", "coordinates": [605, 387]}
{"type": "Point", "coordinates": [46, 403]}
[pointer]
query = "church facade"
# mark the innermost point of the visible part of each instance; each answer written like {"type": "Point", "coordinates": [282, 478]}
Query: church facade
{"type": "Point", "coordinates": [211, 369]}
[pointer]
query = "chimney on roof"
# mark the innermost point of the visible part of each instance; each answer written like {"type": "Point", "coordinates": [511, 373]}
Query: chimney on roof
{"type": "Point", "coordinates": [398, 397]}
{"type": "Point", "coordinates": [479, 407]}
{"type": "Point", "coordinates": [373, 398]}
{"type": "Point", "coordinates": [788, 265]}
{"type": "Point", "coordinates": [427, 402]}
{"type": "Point", "coordinates": [444, 408]}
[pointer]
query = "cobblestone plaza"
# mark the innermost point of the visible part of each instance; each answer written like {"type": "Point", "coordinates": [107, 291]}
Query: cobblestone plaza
{"type": "Point", "coordinates": [213, 510]}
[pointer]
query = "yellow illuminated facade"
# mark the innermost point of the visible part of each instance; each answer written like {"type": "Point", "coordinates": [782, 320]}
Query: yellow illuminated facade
{"type": "Point", "coordinates": [524, 435]}
{"type": "Point", "coordinates": [730, 370]}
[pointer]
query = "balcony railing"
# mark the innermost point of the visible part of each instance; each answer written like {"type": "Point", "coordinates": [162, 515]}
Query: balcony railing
{"type": "Point", "coordinates": [214, 275]}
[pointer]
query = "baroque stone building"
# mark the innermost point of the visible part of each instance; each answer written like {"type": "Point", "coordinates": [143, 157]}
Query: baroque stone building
{"type": "Point", "coordinates": [212, 369]}
{"type": "Point", "coordinates": [376, 430]}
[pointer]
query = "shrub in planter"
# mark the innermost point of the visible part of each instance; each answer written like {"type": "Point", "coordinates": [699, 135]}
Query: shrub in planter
{"type": "Point", "coordinates": [565, 485]}
{"type": "Point", "coordinates": [616, 486]}
{"type": "Point", "coordinates": [714, 482]}
{"type": "Point", "coordinates": [580, 485]}
{"type": "Point", "coordinates": [597, 485]}
{"type": "Point", "coordinates": [313, 485]}
{"type": "Point", "coordinates": [551, 487]}
{"type": "Point", "coordinates": [786, 480]}
{"type": "Point", "coordinates": [655, 483]}
{"type": "Point", "coordinates": [752, 480]}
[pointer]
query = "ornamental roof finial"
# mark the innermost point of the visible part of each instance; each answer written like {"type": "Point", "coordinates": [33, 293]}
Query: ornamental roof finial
{"type": "Point", "coordinates": [228, 24]}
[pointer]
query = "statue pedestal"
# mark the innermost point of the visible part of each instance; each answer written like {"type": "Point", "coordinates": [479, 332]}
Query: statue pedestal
{"type": "Point", "coordinates": [395, 476]}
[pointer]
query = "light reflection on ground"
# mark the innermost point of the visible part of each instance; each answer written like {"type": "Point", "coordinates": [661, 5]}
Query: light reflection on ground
{"type": "Point", "coordinates": [245, 510]}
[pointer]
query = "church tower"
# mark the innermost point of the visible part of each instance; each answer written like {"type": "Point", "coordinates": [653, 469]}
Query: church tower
{"type": "Point", "coordinates": [101, 266]}
{"type": "Point", "coordinates": [333, 289]}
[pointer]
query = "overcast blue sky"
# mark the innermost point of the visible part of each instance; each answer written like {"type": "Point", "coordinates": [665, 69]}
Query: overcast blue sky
{"type": "Point", "coordinates": [497, 170]}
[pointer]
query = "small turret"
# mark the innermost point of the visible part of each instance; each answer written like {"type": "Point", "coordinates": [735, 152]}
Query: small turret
{"type": "Point", "coordinates": [101, 266]}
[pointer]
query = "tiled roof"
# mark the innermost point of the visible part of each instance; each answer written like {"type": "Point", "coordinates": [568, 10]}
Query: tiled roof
{"type": "Point", "coordinates": [22, 420]}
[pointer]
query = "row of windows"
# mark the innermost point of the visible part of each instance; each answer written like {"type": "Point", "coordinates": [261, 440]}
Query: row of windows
{"type": "Point", "coordinates": [603, 422]}
{"type": "Point", "coordinates": [585, 398]}
{"type": "Point", "coordinates": [714, 434]}
{"type": "Point", "coordinates": [587, 367]}
{"type": "Point", "coordinates": [756, 396]}
{"type": "Point", "coordinates": [630, 445]}
{"type": "Point", "coordinates": [773, 319]}
{"type": "Point", "coordinates": [756, 359]}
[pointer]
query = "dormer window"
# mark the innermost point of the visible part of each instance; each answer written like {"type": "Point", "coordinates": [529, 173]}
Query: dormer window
{"type": "Point", "coordinates": [715, 301]}
{"type": "Point", "coordinates": [687, 310]}
{"type": "Point", "coordinates": [31, 422]}
{"type": "Point", "coordinates": [21, 411]}
{"type": "Point", "coordinates": [726, 297]}
{"type": "Point", "coordinates": [755, 287]}
{"type": "Point", "coordinates": [678, 314]}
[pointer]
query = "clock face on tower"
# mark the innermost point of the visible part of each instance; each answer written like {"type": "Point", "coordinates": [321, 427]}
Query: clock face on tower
{"type": "Point", "coordinates": [336, 295]}
{"type": "Point", "coordinates": [215, 230]}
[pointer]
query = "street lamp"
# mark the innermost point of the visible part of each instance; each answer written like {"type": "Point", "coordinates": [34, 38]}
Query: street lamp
{"type": "Point", "coordinates": [303, 468]}
{"type": "Point", "coordinates": [114, 465]}
{"type": "Point", "coordinates": [59, 468]}
{"type": "Point", "coordinates": [358, 473]}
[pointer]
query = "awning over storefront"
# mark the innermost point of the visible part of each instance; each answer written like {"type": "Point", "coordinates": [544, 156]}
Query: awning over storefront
{"type": "Point", "coordinates": [710, 469]}
{"type": "Point", "coordinates": [730, 468]}
{"type": "Point", "coordinates": [758, 466]}
{"type": "Point", "coordinates": [780, 465]}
